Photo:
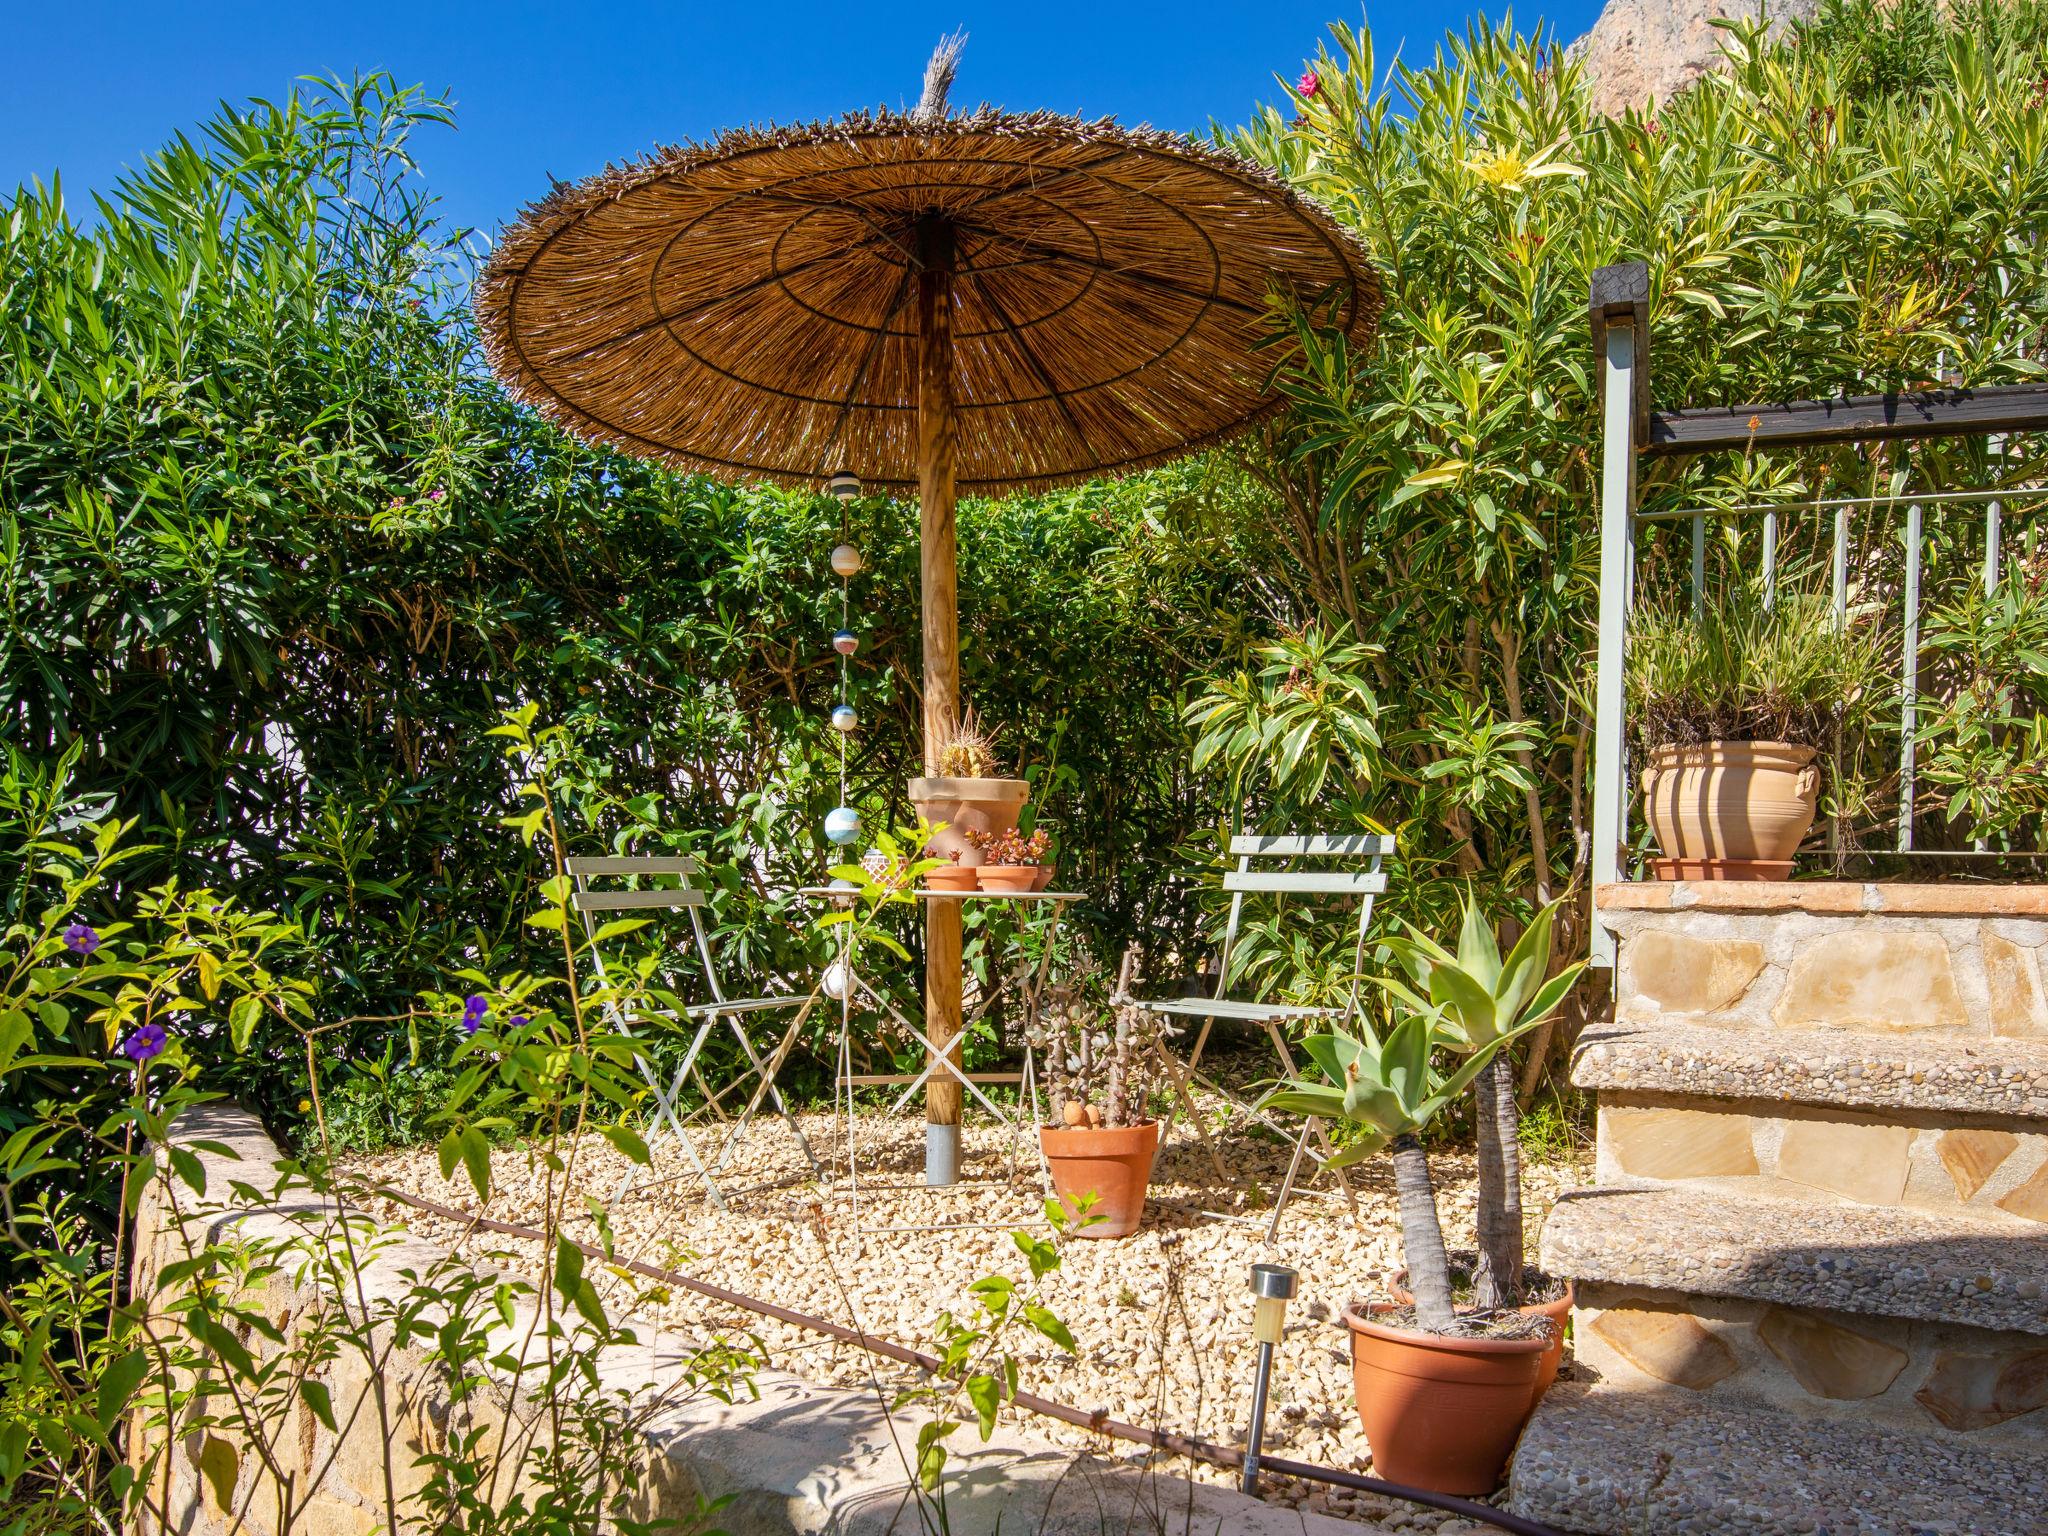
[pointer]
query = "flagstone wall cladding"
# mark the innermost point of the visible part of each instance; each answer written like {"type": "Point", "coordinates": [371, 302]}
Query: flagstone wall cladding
{"type": "Point", "coordinates": [1925, 960]}
{"type": "Point", "coordinates": [1876, 1159]}
{"type": "Point", "coordinates": [1932, 1378]}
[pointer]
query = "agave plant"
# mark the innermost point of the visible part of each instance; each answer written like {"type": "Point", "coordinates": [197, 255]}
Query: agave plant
{"type": "Point", "coordinates": [1389, 1090]}
{"type": "Point", "coordinates": [1483, 1002]}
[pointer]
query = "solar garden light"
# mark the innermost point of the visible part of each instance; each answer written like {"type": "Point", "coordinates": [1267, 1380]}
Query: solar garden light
{"type": "Point", "coordinates": [1273, 1286]}
{"type": "Point", "coordinates": [845, 485]}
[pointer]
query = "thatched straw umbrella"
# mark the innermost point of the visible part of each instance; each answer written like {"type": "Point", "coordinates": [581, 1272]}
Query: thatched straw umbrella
{"type": "Point", "coordinates": [987, 303]}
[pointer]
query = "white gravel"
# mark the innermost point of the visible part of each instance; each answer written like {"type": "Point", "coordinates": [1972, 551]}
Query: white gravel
{"type": "Point", "coordinates": [1162, 1318]}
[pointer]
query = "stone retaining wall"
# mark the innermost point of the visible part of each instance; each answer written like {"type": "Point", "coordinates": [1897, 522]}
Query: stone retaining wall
{"type": "Point", "coordinates": [797, 1459]}
{"type": "Point", "coordinates": [1955, 960]}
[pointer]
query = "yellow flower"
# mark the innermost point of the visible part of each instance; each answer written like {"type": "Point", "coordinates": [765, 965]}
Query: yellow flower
{"type": "Point", "coordinates": [305, 1105]}
{"type": "Point", "coordinates": [1505, 170]}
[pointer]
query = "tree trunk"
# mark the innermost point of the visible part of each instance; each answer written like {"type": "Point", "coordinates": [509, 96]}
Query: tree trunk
{"type": "Point", "coordinates": [1422, 1239]}
{"type": "Point", "coordinates": [1498, 1280]}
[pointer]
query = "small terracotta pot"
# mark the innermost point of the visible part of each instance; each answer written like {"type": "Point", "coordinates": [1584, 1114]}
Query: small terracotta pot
{"type": "Point", "coordinates": [1558, 1312]}
{"type": "Point", "coordinates": [1730, 810]}
{"type": "Point", "coordinates": [1044, 877]}
{"type": "Point", "coordinates": [1008, 877]}
{"type": "Point", "coordinates": [1113, 1163]}
{"type": "Point", "coordinates": [1440, 1413]}
{"type": "Point", "coordinates": [986, 806]}
{"type": "Point", "coordinates": [953, 877]}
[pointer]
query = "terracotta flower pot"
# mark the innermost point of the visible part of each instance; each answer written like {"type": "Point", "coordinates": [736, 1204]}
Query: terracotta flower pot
{"type": "Point", "coordinates": [1044, 879]}
{"type": "Point", "coordinates": [1730, 810]}
{"type": "Point", "coordinates": [954, 877]}
{"type": "Point", "coordinates": [1008, 877]}
{"type": "Point", "coordinates": [1113, 1163]}
{"type": "Point", "coordinates": [1558, 1312]}
{"type": "Point", "coordinates": [1440, 1413]}
{"type": "Point", "coordinates": [987, 806]}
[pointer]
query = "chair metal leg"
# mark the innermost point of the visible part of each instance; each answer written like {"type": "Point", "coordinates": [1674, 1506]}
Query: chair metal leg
{"type": "Point", "coordinates": [1287, 1185]}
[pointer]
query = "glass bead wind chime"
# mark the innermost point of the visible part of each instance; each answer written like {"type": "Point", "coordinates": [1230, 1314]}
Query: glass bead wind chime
{"type": "Point", "coordinates": [842, 824]}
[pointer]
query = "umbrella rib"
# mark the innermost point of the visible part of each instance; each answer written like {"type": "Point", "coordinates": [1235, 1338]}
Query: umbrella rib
{"type": "Point", "coordinates": [1053, 391]}
{"type": "Point", "coordinates": [996, 194]}
{"type": "Point", "coordinates": [583, 354]}
{"type": "Point", "coordinates": [867, 362]}
{"type": "Point", "coordinates": [1149, 279]}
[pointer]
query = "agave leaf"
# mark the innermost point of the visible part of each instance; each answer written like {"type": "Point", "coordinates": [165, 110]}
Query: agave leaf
{"type": "Point", "coordinates": [1457, 992]}
{"type": "Point", "coordinates": [1358, 1151]}
{"type": "Point", "coordinates": [1477, 952]}
{"type": "Point", "coordinates": [1312, 1099]}
{"type": "Point", "coordinates": [1545, 1002]}
{"type": "Point", "coordinates": [1525, 964]}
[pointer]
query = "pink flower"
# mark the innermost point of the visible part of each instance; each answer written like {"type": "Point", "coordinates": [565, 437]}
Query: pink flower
{"type": "Point", "coordinates": [1310, 85]}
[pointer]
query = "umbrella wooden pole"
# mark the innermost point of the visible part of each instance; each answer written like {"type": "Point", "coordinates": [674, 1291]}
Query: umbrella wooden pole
{"type": "Point", "coordinates": [939, 582]}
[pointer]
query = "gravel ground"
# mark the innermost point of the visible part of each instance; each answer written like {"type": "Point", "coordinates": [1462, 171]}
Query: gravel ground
{"type": "Point", "coordinates": [1162, 1318]}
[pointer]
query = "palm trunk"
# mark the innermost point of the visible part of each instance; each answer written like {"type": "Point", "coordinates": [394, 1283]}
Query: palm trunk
{"type": "Point", "coordinates": [1422, 1239]}
{"type": "Point", "coordinates": [1498, 1280]}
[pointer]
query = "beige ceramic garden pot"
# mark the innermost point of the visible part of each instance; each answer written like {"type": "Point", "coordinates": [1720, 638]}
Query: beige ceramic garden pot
{"type": "Point", "coordinates": [1730, 810]}
{"type": "Point", "coordinates": [988, 806]}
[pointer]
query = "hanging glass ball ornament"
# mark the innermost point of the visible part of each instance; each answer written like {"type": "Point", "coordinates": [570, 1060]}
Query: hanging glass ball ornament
{"type": "Point", "coordinates": [842, 825]}
{"type": "Point", "coordinates": [846, 642]}
{"type": "Point", "coordinates": [844, 719]}
{"type": "Point", "coordinates": [846, 560]}
{"type": "Point", "coordinates": [833, 983]}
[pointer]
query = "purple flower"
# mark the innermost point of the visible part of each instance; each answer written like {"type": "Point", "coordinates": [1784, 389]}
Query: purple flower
{"type": "Point", "coordinates": [80, 939]}
{"type": "Point", "coordinates": [437, 494]}
{"type": "Point", "coordinates": [473, 1010]}
{"type": "Point", "coordinates": [145, 1044]}
{"type": "Point", "coordinates": [518, 1021]}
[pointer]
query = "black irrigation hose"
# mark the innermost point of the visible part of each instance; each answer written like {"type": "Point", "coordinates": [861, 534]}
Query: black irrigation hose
{"type": "Point", "coordinates": [1098, 1422]}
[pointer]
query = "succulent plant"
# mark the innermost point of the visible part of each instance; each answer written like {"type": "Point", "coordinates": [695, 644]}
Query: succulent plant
{"type": "Point", "coordinates": [966, 751]}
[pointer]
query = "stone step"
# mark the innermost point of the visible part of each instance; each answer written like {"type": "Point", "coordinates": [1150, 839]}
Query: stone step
{"type": "Point", "coordinates": [1620, 1463]}
{"type": "Point", "coordinates": [1982, 1270]}
{"type": "Point", "coordinates": [1896, 1157]}
{"type": "Point", "coordinates": [1928, 1074]}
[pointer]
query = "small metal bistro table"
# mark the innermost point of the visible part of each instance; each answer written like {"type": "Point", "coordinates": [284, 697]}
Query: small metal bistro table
{"type": "Point", "coordinates": [1032, 989]}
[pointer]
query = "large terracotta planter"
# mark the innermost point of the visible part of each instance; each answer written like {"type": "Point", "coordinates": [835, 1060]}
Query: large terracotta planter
{"type": "Point", "coordinates": [1557, 1312]}
{"type": "Point", "coordinates": [1440, 1413]}
{"type": "Point", "coordinates": [987, 806]}
{"type": "Point", "coordinates": [1113, 1163]}
{"type": "Point", "coordinates": [1730, 810]}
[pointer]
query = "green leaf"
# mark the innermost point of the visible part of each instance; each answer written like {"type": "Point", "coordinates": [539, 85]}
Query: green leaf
{"type": "Point", "coordinates": [318, 1400]}
{"type": "Point", "coordinates": [117, 1385]}
{"type": "Point", "coordinates": [219, 1465]}
{"type": "Point", "coordinates": [476, 1157]}
{"type": "Point", "coordinates": [628, 1143]}
{"type": "Point", "coordinates": [1049, 1325]}
{"type": "Point", "coordinates": [986, 1393]}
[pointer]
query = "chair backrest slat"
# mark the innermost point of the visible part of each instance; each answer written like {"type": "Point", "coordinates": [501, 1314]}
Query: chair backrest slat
{"type": "Point", "coordinates": [620, 901]}
{"type": "Point", "coordinates": [1347, 882]}
{"type": "Point", "coordinates": [1332, 845]}
{"type": "Point", "coordinates": [633, 864]}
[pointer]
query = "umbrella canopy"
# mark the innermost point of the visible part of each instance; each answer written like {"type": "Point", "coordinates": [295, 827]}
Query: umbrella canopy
{"type": "Point", "coordinates": [750, 307]}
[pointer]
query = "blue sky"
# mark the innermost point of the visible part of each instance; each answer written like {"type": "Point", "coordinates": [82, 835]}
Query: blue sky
{"type": "Point", "coordinates": [563, 88]}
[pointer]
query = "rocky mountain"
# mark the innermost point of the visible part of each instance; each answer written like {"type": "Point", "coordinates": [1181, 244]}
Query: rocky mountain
{"type": "Point", "coordinates": [1643, 50]}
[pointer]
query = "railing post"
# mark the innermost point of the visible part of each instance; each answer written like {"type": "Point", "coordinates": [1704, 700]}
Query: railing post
{"type": "Point", "coordinates": [1770, 561]}
{"type": "Point", "coordinates": [1909, 680]}
{"type": "Point", "coordinates": [1620, 314]}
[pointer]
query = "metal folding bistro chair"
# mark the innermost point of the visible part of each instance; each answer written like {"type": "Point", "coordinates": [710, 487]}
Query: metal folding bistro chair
{"type": "Point", "coordinates": [1246, 879]}
{"type": "Point", "coordinates": [733, 1012]}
